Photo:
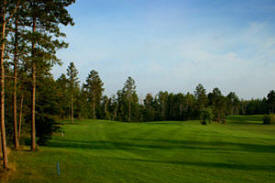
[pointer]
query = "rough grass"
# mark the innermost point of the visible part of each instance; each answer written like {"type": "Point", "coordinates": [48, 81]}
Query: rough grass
{"type": "Point", "coordinates": [241, 151]}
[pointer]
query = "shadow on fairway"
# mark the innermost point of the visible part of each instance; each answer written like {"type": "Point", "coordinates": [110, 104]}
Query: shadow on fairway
{"type": "Point", "coordinates": [205, 164]}
{"type": "Point", "coordinates": [140, 144]}
{"type": "Point", "coordinates": [246, 120]}
{"type": "Point", "coordinates": [165, 123]}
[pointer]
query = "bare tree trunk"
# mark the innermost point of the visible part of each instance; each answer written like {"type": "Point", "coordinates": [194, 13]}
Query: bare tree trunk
{"type": "Point", "coordinates": [15, 136]}
{"type": "Point", "coordinates": [33, 134]}
{"type": "Point", "coordinates": [20, 117]}
{"type": "Point", "coordinates": [3, 130]}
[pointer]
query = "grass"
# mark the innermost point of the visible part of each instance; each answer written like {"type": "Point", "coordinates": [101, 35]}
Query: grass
{"type": "Point", "coordinates": [241, 151]}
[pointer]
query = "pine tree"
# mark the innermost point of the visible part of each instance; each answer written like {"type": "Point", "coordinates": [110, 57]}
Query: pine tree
{"type": "Point", "coordinates": [63, 96]}
{"type": "Point", "coordinates": [233, 103]}
{"type": "Point", "coordinates": [149, 113]}
{"type": "Point", "coordinates": [44, 18]}
{"type": "Point", "coordinates": [271, 101]}
{"type": "Point", "coordinates": [106, 102]}
{"type": "Point", "coordinates": [73, 84]}
{"type": "Point", "coordinates": [114, 106]}
{"type": "Point", "coordinates": [94, 89]}
{"type": "Point", "coordinates": [15, 63]}
{"type": "Point", "coordinates": [82, 104]}
{"type": "Point", "coordinates": [162, 99]}
{"type": "Point", "coordinates": [201, 97]}
{"type": "Point", "coordinates": [129, 93]}
{"type": "Point", "coordinates": [7, 11]}
{"type": "Point", "coordinates": [218, 102]}
{"type": "Point", "coordinates": [17, 49]}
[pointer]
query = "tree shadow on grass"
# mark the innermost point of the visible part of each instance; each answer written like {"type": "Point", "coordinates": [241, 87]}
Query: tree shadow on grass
{"type": "Point", "coordinates": [245, 120]}
{"type": "Point", "coordinates": [270, 168]}
{"type": "Point", "coordinates": [147, 144]}
{"type": "Point", "coordinates": [210, 145]}
{"type": "Point", "coordinates": [164, 123]}
{"type": "Point", "coordinates": [256, 123]}
{"type": "Point", "coordinates": [100, 145]}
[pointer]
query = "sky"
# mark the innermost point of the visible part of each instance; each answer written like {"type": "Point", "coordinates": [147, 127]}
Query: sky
{"type": "Point", "coordinates": [173, 45]}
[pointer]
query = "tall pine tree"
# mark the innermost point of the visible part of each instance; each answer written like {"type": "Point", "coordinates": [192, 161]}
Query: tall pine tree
{"type": "Point", "coordinates": [73, 84]}
{"type": "Point", "coordinates": [94, 89]}
{"type": "Point", "coordinates": [7, 11]}
{"type": "Point", "coordinates": [44, 18]}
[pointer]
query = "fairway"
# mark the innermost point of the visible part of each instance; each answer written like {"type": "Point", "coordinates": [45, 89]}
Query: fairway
{"type": "Point", "coordinates": [90, 151]}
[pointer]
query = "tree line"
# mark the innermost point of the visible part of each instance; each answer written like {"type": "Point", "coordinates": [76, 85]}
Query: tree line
{"type": "Point", "coordinates": [88, 101]}
{"type": "Point", "coordinates": [30, 36]}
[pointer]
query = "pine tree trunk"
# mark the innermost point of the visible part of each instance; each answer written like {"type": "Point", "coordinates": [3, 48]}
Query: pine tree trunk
{"type": "Point", "coordinates": [20, 117]}
{"type": "Point", "coordinates": [33, 106]}
{"type": "Point", "coordinates": [106, 110]}
{"type": "Point", "coordinates": [15, 136]}
{"type": "Point", "coordinates": [93, 108]}
{"type": "Point", "coordinates": [163, 111]}
{"type": "Point", "coordinates": [129, 110]}
{"type": "Point", "coordinates": [33, 134]}
{"type": "Point", "coordinates": [3, 130]}
{"type": "Point", "coordinates": [72, 109]}
{"type": "Point", "coordinates": [115, 114]}
{"type": "Point", "coordinates": [181, 112]}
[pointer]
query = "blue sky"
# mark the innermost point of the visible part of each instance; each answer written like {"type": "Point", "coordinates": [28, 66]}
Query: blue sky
{"type": "Point", "coordinates": [174, 44]}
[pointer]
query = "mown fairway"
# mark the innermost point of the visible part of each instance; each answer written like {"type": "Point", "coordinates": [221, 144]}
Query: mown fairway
{"type": "Point", "coordinates": [243, 150]}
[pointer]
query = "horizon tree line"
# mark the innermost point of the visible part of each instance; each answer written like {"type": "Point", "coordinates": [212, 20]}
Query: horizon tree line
{"type": "Point", "coordinates": [125, 106]}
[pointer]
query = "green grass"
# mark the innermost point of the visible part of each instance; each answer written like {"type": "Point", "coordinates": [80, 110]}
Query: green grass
{"type": "Point", "coordinates": [241, 151]}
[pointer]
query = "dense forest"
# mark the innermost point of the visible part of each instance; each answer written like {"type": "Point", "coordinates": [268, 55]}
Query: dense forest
{"type": "Point", "coordinates": [32, 101]}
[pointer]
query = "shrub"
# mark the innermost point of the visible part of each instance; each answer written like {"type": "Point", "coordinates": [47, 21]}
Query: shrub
{"type": "Point", "coordinates": [269, 119]}
{"type": "Point", "coordinates": [45, 127]}
{"type": "Point", "coordinates": [206, 116]}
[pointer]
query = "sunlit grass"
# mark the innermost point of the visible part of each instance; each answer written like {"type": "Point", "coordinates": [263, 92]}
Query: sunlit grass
{"type": "Point", "coordinates": [243, 150]}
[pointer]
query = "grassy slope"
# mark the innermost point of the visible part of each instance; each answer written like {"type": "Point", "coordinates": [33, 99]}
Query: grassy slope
{"type": "Point", "coordinates": [102, 151]}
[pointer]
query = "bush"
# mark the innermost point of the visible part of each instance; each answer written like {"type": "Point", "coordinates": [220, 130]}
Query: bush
{"type": "Point", "coordinates": [45, 127]}
{"type": "Point", "coordinates": [206, 116]}
{"type": "Point", "coordinates": [269, 119]}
